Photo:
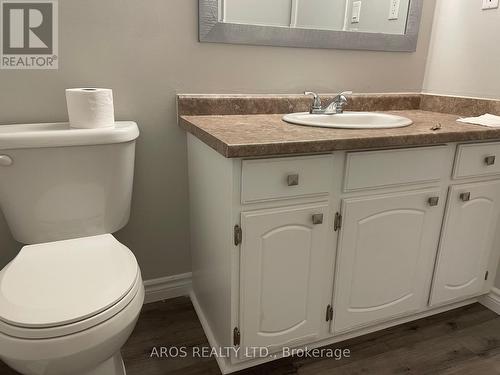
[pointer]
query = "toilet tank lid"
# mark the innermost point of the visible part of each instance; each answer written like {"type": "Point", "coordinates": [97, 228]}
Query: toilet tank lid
{"type": "Point", "coordinates": [60, 134]}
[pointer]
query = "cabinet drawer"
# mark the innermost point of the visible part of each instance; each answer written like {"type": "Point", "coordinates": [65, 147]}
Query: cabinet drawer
{"type": "Point", "coordinates": [267, 179]}
{"type": "Point", "coordinates": [477, 160]}
{"type": "Point", "coordinates": [384, 168]}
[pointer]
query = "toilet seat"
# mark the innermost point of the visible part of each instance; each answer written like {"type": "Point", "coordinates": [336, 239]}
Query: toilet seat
{"type": "Point", "coordinates": [63, 287]}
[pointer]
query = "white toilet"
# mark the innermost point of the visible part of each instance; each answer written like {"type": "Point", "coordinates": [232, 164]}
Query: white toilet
{"type": "Point", "coordinates": [71, 298]}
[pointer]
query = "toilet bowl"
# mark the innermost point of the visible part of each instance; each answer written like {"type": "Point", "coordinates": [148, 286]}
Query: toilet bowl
{"type": "Point", "coordinates": [96, 294]}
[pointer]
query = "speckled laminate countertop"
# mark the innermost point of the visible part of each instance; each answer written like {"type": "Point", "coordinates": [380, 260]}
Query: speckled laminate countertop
{"type": "Point", "coordinates": [267, 134]}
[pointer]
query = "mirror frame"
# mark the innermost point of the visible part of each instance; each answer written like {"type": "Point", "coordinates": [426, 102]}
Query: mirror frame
{"type": "Point", "coordinates": [213, 31]}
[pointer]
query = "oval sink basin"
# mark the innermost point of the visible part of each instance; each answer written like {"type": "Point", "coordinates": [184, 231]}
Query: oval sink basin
{"type": "Point", "coordinates": [349, 120]}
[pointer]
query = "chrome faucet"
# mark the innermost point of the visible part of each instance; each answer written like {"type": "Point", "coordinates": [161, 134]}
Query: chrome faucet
{"type": "Point", "coordinates": [335, 107]}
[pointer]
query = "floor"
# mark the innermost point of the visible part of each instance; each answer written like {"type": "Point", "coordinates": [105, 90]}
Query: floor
{"type": "Point", "coordinates": [462, 341]}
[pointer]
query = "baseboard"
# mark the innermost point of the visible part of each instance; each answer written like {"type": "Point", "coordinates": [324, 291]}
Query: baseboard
{"type": "Point", "coordinates": [492, 300]}
{"type": "Point", "coordinates": [167, 287]}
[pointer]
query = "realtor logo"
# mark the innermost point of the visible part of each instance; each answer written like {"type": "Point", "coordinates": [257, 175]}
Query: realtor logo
{"type": "Point", "coordinates": [28, 34]}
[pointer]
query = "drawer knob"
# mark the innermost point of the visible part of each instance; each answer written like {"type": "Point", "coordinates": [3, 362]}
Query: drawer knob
{"type": "Point", "coordinates": [317, 219]}
{"type": "Point", "coordinates": [465, 197]}
{"type": "Point", "coordinates": [433, 201]}
{"type": "Point", "coordinates": [489, 160]}
{"type": "Point", "coordinates": [292, 179]}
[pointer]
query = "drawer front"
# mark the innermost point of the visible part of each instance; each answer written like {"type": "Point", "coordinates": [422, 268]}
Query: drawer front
{"type": "Point", "coordinates": [386, 168]}
{"type": "Point", "coordinates": [477, 160]}
{"type": "Point", "coordinates": [269, 179]}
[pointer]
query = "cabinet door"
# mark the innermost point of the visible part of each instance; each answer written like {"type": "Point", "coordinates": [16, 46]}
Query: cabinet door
{"type": "Point", "coordinates": [467, 241]}
{"type": "Point", "coordinates": [284, 269]}
{"type": "Point", "coordinates": [387, 248]}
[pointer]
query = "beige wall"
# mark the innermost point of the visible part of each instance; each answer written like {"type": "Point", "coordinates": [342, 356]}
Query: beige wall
{"type": "Point", "coordinates": [147, 51]}
{"type": "Point", "coordinates": [464, 56]}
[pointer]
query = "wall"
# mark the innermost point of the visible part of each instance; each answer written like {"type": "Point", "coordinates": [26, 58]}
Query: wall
{"type": "Point", "coordinates": [147, 52]}
{"type": "Point", "coordinates": [464, 57]}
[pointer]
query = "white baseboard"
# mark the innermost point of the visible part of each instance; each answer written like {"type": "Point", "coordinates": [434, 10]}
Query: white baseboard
{"type": "Point", "coordinates": [167, 287]}
{"type": "Point", "coordinates": [492, 300]}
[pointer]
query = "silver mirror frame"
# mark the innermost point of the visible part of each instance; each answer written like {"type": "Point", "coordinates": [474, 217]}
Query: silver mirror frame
{"type": "Point", "coordinates": [213, 31]}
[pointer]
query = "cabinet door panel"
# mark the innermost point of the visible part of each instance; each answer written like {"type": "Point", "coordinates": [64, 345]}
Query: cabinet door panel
{"type": "Point", "coordinates": [283, 269]}
{"type": "Point", "coordinates": [386, 251]}
{"type": "Point", "coordinates": [467, 241]}
{"type": "Point", "coordinates": [286, 256]}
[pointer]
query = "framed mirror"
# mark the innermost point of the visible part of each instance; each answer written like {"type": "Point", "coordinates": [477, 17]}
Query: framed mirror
{"type": "Point", "coordinates": [377, 25]}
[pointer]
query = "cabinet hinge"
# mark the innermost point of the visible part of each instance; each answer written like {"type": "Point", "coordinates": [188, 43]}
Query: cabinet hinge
{"type": "Point", "coordinates": [486, 275]}
{"type": "Point", "coordinates": [329, 313]}
{"type": "Point", "coordinates": [238, 235]}
{"type": "Point", "coordinates": [337, 223]}
{"type": "Point", "coordinates": [236, 336]}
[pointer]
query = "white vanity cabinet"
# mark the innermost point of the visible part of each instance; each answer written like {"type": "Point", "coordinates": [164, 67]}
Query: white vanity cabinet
{"type": "Point", "coordinates": [310, 250]}
{"type": "Point", "coordinates": [385, 256]}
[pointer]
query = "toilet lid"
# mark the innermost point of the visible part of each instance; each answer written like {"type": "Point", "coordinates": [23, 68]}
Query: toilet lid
{"type": "Point", "coordinates": [59, 283]}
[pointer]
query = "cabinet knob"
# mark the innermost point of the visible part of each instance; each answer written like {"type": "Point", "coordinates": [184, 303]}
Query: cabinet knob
{"type": "Point", "coordinates": [433, 201]}
{"type": "Point", "coordinates": [292, 179]}
{"type": "Point", "coordinates": [489, 160]}
{"type": "Point", "coordinates": [465, 197]}
{"type": "Point", "coordinates": [317, 219]}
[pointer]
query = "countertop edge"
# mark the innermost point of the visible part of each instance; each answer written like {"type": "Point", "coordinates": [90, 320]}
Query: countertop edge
{"type": "Point", "coordinates": [205, 137]}
{"type": "Point", "coordinates": [263, 150]}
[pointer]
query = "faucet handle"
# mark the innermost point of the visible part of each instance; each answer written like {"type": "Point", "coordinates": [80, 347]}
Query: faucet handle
{"type": "Point", "coordinates": [316, 100]}
{"type": "Point", "coordinates": [342, 95]}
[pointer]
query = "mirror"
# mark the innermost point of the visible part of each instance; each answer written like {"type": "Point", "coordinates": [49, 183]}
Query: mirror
{"type": "Point", "coordinates": [384, 25]}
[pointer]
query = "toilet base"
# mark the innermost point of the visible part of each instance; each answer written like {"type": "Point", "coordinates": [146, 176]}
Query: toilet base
{"type": "Point", "coordinates": [113, 366]}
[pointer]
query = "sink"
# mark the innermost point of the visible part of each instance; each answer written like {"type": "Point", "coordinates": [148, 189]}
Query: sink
{"type": "Point", "coordinates": [349, 120]}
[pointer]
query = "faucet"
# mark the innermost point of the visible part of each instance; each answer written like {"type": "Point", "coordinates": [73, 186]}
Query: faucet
{"type": "Point", "coordinates": [335, 107]}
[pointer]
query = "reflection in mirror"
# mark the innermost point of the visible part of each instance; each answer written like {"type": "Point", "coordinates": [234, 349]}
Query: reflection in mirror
{"type": "Point", "coordinates": [369, 16]}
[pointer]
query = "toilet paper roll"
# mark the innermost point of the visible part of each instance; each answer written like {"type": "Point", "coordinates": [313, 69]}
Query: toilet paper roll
{"type": "Point", "coordinates": [90, 108]}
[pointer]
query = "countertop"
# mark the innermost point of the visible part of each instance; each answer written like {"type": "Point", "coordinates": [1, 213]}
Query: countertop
{"type": "Point", "coordinates": [236, 136]}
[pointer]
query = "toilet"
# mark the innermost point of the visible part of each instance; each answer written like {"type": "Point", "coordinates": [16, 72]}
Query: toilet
{"type": "Point", "coordinates": [71, 297]}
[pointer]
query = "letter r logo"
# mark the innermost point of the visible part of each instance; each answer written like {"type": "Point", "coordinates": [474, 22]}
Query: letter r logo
{"type": "Point", "coordinates": [27, 28]}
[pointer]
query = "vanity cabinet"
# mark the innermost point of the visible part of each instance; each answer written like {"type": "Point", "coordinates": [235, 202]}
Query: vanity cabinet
{"type": "Point", "coordinates": [310, 250]}
{"type": "Point", "coordinates": [282, 275]}
{"type": "Point", "coordinates": [467, 240]}
{"type": "Point", "coordinates": [385, 256]}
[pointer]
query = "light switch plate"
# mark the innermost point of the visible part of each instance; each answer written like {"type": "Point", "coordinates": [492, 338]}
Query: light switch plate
{"type": "Point", "coordinates": [356, 11]}
{"type": "Point", "coordinates": [394, 9]}
{"type": "Point", "coordinates": [490, 4]}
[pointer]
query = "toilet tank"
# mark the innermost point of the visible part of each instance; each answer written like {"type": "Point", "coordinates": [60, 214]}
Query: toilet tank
{"type": "Point", "coordinates": [59, 183]}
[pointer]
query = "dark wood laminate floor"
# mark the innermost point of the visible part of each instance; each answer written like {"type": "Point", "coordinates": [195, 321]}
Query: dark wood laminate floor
{"type": "Point", "coordinates": [459, 342]}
